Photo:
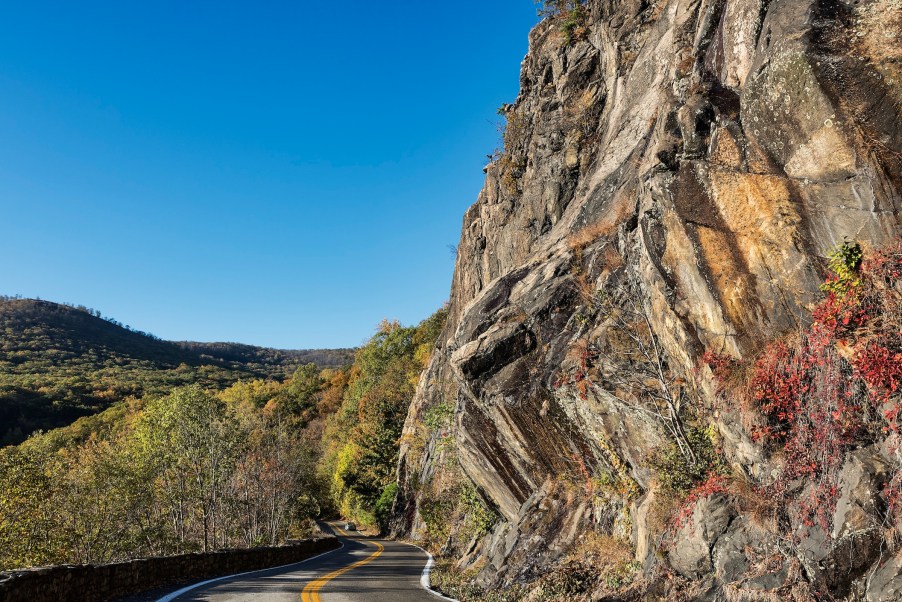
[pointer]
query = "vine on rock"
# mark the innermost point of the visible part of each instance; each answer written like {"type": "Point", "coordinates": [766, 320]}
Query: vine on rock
{"type": "Point", "coordinates": [835, 385]}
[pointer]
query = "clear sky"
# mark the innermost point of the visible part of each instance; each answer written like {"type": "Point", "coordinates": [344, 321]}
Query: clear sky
{"type": "Point", "coordinates": [283, 174]}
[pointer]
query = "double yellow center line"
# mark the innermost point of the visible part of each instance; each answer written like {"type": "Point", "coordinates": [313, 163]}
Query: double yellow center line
{"type": "Point", "coordinates": [311, 592]}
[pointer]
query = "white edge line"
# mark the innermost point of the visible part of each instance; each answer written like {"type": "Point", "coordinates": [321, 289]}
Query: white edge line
{"type": "Point", "coordinates": [424, 579]}
{"type": "Point", "coordinates": [174, 595]}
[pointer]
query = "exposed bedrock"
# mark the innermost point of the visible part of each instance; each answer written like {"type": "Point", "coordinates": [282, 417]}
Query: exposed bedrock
{"type": "Point", "coordinates": [694, 161]}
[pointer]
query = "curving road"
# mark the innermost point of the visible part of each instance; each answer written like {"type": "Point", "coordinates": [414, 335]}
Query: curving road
{"type": "Point", "coordinates": [363, 569]}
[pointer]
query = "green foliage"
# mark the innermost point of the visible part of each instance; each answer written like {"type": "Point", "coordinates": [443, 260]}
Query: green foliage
{"type": "Point", "coordinates": [570, 13]}
{"type": "Point", "coordinates": [478, 517]}
{"type": "Point", "coordinates": [438, 416]}
{"type": "Point", "coordinates": [59, 363]}
{"type": "Point", "coordinates": [180, 473]}
{"type": "Point", "coordinates": [554, 8]}
{"type": "Point", "coordinates": [28, 478]}
{"type": "Point", "coordinates": [300, 394]}
{"type": "Point", "coordinates": [100, 498]}
{"type": "Point", "coordinates": [264, 360]}
{"type": "Point", "coordinates": [436, 513]}
{"type": "Point", "coordinates": [362, 440]}
{"type": "Point", "coordinates": [190, 469]}
{"type": "Point", "coordinates": [678, 474]}
{"type": "Point", "coordinates": [428, 331]}
{"type": "Point", "coordinates": [456, 508]}
{"type": "Point", "coordinates": [844, 262]}
{"type": "Point", "coordinates": [384, 504]}
{"type": "Point", "coordinates": [573, 24]}
{"type": "Point", "coordinates": [190, 442]}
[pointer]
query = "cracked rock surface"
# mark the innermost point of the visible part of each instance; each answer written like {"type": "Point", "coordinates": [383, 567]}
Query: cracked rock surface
{"type": "Point", "coordinates": [699, 158]}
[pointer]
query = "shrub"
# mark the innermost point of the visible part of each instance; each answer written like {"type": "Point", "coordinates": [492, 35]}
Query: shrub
{"type": "Point", "coordinates": [677, 473]}
{"type": "Point", "coordinates": [555, 8]}
{"type": "Point", "coordinates": [438, 417]}
{"type": "Point", "coordinates": [456, 511]}
{"type": "Point", "coordinates": [844, 263]}
{"type": "Point", "coordinates": [713, 485]}
{"type": "Point", "coordinates": [478, 517]}
{"type": "Point", "coordinates": [611, 558]}
{"type": "Point", "coordinates": [837, 383]}
{"type": "Point", "coordinates": [435, 512]}
{"type": "Point", "coordinates": [384, 504]}
{"type": "Point", "coordinates": [722, 366]}
{"type": "Point", "coordinates": [567, 582]}
{"type": "Point", "coordinates": [571, 13]}
{"type": "Point", "coordinates": [573, 24]}
{"type": "Point", "coordinates": [588, 234]}
{"type": "Point", "coordinates": [512, 160]}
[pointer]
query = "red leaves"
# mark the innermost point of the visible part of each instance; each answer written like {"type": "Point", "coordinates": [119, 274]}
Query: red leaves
{"type": "Point", "coordinates": [819, 392]}
{"type": "Point", "coordinates": [892, 493]}
{"type": "Point", "coordinates": [884, 264]}
{"type": "Point", "coordinates": [881, 369]}
{"type": "Point", "coordinates": [721, 365]}
{"type": "Point", "coordinates": [586, 357]}
{"type": "Point", "coordinates": [777, 383]}
{"type": "Point", "coordinates": [715, 484]}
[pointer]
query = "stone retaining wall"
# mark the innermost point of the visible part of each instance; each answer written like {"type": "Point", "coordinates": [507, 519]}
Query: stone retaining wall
{"type": "Point", "coordinates": [102, 582]}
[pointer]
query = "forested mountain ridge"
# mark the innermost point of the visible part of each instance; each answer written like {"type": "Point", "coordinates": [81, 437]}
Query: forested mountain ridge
{"type": "Point", "coordinates": [267, 358]}
{"type": "Point", "coordinates": [59, 362]}
{"type": "Point", "coordinates": [203, 468]}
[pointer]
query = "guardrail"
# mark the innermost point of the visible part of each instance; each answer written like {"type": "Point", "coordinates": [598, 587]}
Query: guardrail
{"type": "Point", "coordinates": [103, 582]}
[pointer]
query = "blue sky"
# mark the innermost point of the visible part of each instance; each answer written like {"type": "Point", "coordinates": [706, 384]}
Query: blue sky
{"type": "Point", "coordinates": [275, 173]}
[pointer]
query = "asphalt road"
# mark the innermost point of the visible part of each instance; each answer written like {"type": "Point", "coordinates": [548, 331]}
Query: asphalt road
{"type": "Point", "coordinates": [364, 569]}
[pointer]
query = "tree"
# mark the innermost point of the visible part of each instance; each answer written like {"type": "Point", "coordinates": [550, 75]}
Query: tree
{"type": "Point", "coordinates": [28, 486]}
{"type": "Point", "coordinates": [272, 485]}
{"type": "Point", "coordinates": [557, 7]}
{"type": "Point", "coordinates": [300, 394]}
{"type": "Point", "coordinates": [362, 440]}
{"type": "Point", "coordinates": [105, 505]}
{"type": "Point", "coordinates": [193, 442]}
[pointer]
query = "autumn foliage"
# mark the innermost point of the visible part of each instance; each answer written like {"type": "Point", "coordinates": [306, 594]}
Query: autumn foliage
{"type": "Point", "coordinates": [714, 484]}
{"type": "Point", "coordinates": [835, 385]}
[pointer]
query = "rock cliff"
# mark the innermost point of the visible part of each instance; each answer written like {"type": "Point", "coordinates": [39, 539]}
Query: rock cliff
{"type": "Point", "coordinates": [674, 175]}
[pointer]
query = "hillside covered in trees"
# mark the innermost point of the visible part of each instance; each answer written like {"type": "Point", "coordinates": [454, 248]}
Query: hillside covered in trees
{"type": "Point", "coordinates": [205, 466]}
{"type": "Point", "coordinates": [58, 363]}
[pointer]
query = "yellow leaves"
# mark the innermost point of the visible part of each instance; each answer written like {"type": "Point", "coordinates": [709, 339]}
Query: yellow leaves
{"type": "Point", "coordinates": [368, 424]}
{"type": "Point", "coordinates": [422, 356]}
{"type": "Point", "coordinates": [251, 392]}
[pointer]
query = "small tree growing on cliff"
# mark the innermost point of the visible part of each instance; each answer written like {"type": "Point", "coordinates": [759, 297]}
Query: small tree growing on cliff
{"type": "Point", "coordinates": [571, 13]}
{"type": "Point", "coordinates": [627, 363]}
{"type": "Point", "coordinates": [640, 374]}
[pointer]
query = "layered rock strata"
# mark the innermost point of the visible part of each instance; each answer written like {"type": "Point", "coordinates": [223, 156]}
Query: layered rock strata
{"type": "Point", "coordinates": [692, 163]}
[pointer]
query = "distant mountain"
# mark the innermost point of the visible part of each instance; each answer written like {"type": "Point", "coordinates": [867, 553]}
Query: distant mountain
{"type": "Point", "coordinates": [250, 355]}
{"type": "Point", "coordinates": [59, 362]}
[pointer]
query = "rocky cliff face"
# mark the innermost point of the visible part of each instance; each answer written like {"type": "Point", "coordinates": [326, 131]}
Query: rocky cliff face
{"type": "Point", "coordinates": [674, 174]}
